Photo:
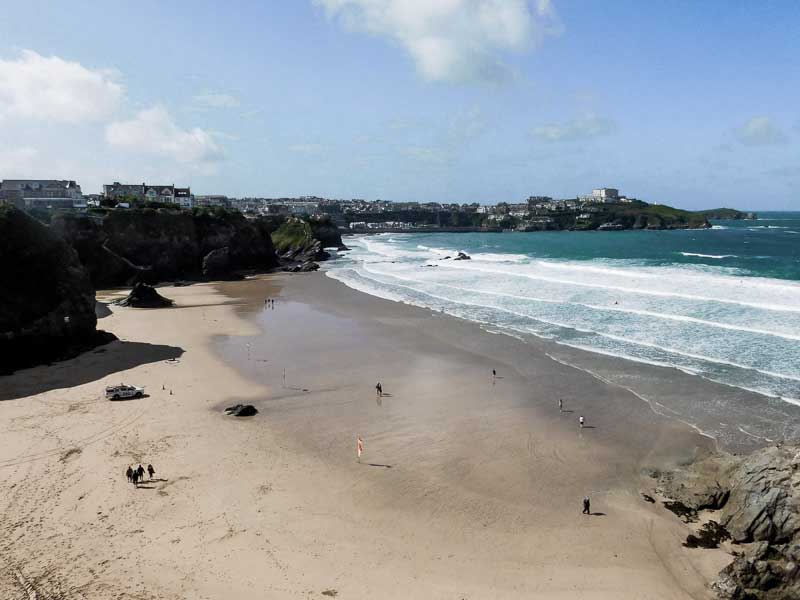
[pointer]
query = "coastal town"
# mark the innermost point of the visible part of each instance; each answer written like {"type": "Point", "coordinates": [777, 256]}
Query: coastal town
{"type": "Point", "coordinates": [602, 209]}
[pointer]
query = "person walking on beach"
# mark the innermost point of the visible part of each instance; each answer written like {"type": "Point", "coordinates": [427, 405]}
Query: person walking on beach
{"type": "Point", "coordinates": [129, 474]}
{"type": "Point", "coordinates": [560, 405]}
{"type": "Point", "coordinates": [359, 448]}
{"type": "Point", "coordinates": [586, 506]}
{"type": "Point", "coordinates": [140, 471]}
{"type": "Point", "coordinates": [580, 420]}
{"type": "Point", "coordinates": [135, 478]}
{"type": "Point", "coordinates": [494, 375]}
{"type": "Point", "coordinates": [151, 471]}
{"type": "Point", "coordinates": [379, 389]}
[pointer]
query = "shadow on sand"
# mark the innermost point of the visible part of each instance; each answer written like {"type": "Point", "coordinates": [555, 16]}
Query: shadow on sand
{"type": "Point", "coordinates": [89, 366]}
{"type": "Point", "coordinates": [377, 465]}
{"type": "Point", "coordinates": [131, 399]}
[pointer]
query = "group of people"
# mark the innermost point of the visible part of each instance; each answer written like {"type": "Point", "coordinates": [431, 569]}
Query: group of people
{"type": "Point", "coordinates": [136, 476]}
{"type": "Point", "coordinates": [270, 303]}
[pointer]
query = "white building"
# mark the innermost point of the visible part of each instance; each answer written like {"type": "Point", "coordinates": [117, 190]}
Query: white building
{"type": "Point", "coordinates": [605, 194]}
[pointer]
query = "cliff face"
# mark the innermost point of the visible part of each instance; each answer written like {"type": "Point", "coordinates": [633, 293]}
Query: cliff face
{"type": "Point", "coordinates": [301, 243]}
{"type": "Point", "coordinates": [758, 499]}
{"type": "Point", "coordinates": [46, 297]}
{"type": "Point", "coordinates": [156, 245]}
{"type": "Point", "coordinates": [327, 233]}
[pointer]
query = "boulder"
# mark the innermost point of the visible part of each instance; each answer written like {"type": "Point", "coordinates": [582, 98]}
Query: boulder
{"type": "Point", "coordinates": [144, 296]}
{"type": "Point", "coordinates": [462, 256]}
{"type": "Point", "coordinates": [217, 263]}
{"type": "Point", "coordinates": [241, 410]}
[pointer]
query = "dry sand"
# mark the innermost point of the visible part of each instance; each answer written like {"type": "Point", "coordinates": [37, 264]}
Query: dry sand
{"type": "Point", "coordinates": [468, 488]}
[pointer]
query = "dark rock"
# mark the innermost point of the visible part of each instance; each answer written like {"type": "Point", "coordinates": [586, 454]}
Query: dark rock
{"type": "Point", "coordinates": [648, 498]}
{"type": "Point", "coordinates": [144, 296]}
{"type": "Point", "coordinates": [241, 410]}
{"type": "Point", "coordinates": [462, 256]}
{"type": "Point", "coordinates": [123, 247]}
{"type": "Point", "coordinates": [47, 303]}
{"type": "Point", "coordinates": [217, 263]}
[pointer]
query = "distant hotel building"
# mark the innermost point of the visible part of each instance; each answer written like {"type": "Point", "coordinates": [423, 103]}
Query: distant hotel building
{"type": "Point", "coordinates": [606, 194]}
{"type": "Point", "coordinates": [41, 193]}
{"type": "Point", "coordinates": [143, 192]}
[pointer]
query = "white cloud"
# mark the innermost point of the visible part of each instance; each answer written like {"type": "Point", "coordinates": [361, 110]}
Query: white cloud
{"type": "Point", "coordinates": [452, 40]}
{"type": "Point", "coordinates": [216, 100]}
{"type": "Point", "coordinates": [154, 132]}
{"type": "Point", "coordinates": [582, 128]}
{"type": "Point", "coordinates": [53, 89]}
{"type": "Point", "coordinates": [760, 131]}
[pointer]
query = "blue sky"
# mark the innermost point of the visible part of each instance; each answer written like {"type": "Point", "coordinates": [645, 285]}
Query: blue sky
{"type": "Point", "coordinates": [693, 104]}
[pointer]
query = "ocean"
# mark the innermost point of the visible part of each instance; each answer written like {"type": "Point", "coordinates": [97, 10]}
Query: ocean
{"type": "Point", "coordinates": [722, 303]}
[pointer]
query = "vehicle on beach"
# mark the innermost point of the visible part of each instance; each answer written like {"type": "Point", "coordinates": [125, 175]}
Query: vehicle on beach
{"type": "Point", "coordinates": [118, 392]}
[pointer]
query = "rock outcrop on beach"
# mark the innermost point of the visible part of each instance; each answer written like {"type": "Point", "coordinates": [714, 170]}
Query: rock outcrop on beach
{"type": "Point", "coordinates": [758, 499]}
{"type": "Point", "coordinates": [217, 263]}
{"type": "Point", "coordinates": [298, 246]}
{"type": "Point", "coordinates": [144, 296]}
{"type": "Point", "coordinates": [241, 410]}
{"type": "Point", "coordinates": [324, 230]}
{"type": "Point", "coordinates": [47, 304]}
{"type": "Point", "coordinates": [121, 247]}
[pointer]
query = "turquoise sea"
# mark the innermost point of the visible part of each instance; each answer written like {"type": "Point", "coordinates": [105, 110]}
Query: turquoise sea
{"type": "Point", "coordinates": [722, 303]}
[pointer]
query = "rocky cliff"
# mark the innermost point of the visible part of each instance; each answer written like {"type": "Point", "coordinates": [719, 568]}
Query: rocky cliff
{"type": "Point", "coordinates": [300, 243]}
{"type": "Point", "coordinates": [758, 502]}
{"type": "Point", "coordinates": [151, 245]}
{"type": "Point", "coordinates": [46, 297]}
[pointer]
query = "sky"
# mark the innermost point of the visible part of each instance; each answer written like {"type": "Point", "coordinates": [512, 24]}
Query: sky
{"type": "Point", "coordinates": [692, 104]}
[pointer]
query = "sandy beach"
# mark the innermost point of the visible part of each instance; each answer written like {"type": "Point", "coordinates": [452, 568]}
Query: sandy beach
{"type": "Point", "coordinates": [469, 487]}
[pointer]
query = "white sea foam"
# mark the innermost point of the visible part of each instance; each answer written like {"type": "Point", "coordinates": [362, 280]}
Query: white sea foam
{"type": "Point", "coordinates": [703, 319]}
{"type": "Point", "coordinates": [708, 255]}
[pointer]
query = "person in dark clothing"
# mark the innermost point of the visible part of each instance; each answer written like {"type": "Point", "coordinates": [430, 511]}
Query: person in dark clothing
{"type": "Point", "coordinates": [151, 471]}
{"type": "Point", "coordinates": [379, 389]}
{"type": "Point", "coordinates": [129, 474]}
{"type": "Point", "coordinates": [135, 478]}
{"type": "Point", "coordinates": [587, 510]}
{"type": "Point", "coordinates": [494, 374]}
{"type": "Point", "coordinates": [140, 471]}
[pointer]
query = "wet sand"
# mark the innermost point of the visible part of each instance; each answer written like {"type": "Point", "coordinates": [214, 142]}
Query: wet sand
{"type": "Point", "coordinates": [468, 487]}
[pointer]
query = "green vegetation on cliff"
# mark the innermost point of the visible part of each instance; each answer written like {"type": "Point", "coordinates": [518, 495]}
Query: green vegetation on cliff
{"type": "Point", "coordinates": [292, 233]}
{"type": "Point", "coordinates": [640, 215]}
{"type": "Point", "coordinates": [726, 214]}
